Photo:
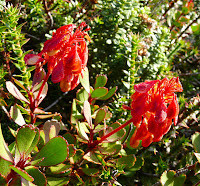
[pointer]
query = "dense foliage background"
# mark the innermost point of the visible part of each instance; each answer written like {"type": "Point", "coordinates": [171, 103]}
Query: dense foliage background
{"type": "Point", "coordinates": [131, 41]}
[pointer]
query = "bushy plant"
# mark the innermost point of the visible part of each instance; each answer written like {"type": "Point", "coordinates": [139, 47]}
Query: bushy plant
{"type": "Point", "coordinates": [110, 85]}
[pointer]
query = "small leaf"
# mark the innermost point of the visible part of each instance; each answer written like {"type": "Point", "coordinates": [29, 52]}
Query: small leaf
{"type": "Point", "coordinates": [90, 171]}
{"type": "Point", "coordinates": [25, 182]}
{"type": "Point", "coordinates": [15, 92]}
{"type": "Point", "coordinates": [26, 139]}
{"type": "Point", "coordinates": [52, 181]}
{"type": "Point", "coordinates": [99, 92]}
{"type": "Point", "coordinates": [81, 129]}
{"type": "Point", "coordinates": [61, 168]}
{"type": "Point", "coordinates": [126, 161]}
{"type": "Point", "coordinates": [101, 81]}
{"type": "Point", "coordinates": [116, 136]}
{"type": "Point", "coordinates": [196, 141]}
{"type": "Point", "coordinates": [39, 177]}
{"type": "Point", "coordinates": [79, 155]}
{"type": "Point", "coordinates": [85, 80]}
{"type": "Point", "coordinates": [70, 138]}
{"type": "Point", "coordinates": [16, 115]}
{"type": "Point", "coordinates": [169, 178]}
{"type": "Point", "coordinates": [109, 94]}
{"type": "Point", "coordinates": [87, 113]}
{"type": "Point", "coordinates": [49, 131]}
{"type": "Point", "coordinates": [108, 148]}
{"type": "Point", "coordinates": [100, 116]}
{"type": "Point", "coordinates": [4, 152]}
{"type": "Point", "coordinates": [4, 167]}
{"type": "Point", "coordinates": [82, 95]}
{"type": "Point", "coordinates": [91, 157]}
{"type": "Point", "coordinates": [22, 173]}
{"type": "Point", "coordinates": [54, 152]}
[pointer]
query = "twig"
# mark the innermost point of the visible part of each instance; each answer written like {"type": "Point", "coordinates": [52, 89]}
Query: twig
{"type": "Point", "coordinates": [171, 6]}
{"type": "Point", "coordinates": [194, 21]}
{"type": "Point", "coordinates": [55, 102]}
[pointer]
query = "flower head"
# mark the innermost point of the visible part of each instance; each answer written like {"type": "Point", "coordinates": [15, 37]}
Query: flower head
{"type": "Point", "coordinates": [66, 55]}
{"type": "Point", "coordinates": [154, 106]}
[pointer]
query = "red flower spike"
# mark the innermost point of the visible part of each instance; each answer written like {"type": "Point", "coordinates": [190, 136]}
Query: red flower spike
{"type": "Point", "coordinates": [154, 104]}
{"type": "Point", "coordinates": [144, 87]}
{"type": "Point", "coordinates": [66, 55]}
{"type": "Point", "coordinates": [58, 73]}
{"type": "Point", "coordinates": [173, 108]}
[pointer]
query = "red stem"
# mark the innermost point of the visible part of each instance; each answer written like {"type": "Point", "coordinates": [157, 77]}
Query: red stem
{"type": "Point", "coordinates": [95, 143]}
{"type": "Point", "coordinates": [41, 88]}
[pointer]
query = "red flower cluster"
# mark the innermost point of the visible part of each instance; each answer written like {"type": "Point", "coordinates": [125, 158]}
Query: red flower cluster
{"type": "Point", "coordinates": [66, 55]}
{"type": "Point", "coordinates": [154, 106]}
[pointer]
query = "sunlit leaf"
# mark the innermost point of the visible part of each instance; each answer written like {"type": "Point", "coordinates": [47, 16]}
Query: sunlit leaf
{"type": "Point", "coordinates": [22, 173]}
{"type": "Point", "coordinates": [4, 152]}
{"type": "Point", "coordinates": [101, 81]}
{"type": "Point", "coordinates": [54, 152]}
{"type": "Point", "coordinates": [85, 80]}
{"type": "Point", "coordinates": [16, 115]}
{"type": "Point", "coordinates": [15, 92]}
{"type": "Point", "coordinates": [99, 92]}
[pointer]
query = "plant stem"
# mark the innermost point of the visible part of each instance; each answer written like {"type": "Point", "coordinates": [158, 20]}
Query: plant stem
{"type": "Point", "coordinates": [95, 143]}
{"type": "Point", "coordinates": [42, 87]}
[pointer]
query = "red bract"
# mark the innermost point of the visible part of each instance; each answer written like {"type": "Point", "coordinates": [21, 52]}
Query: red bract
{"type": "Point", "coordinates": [66, 55]}
{"type": "Point", "coordinates": [154, 106]}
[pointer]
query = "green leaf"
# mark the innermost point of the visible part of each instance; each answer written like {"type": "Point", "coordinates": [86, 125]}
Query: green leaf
{"type": "Point", "coordinates": [196, 141]}
{"type": "Point", "coordinates": [82, 95]}
{"type": "Point", "coordinates": [54, 152]}
{"type": "Point", "coordinates": [39, 177]}
{"type": "Point", "coordinates": [4, 152]}
{"type": "Point", "coordinates": [26, 139]}
{"type": "Point", "coordinates": [51, 129]}
{"type": "Point", "coordinates": [90, 171]}
{"type": "Point", "coordinates": [109, 148]}
{"type": "Point", "coordinates": [91, 157]}
{"type": "Point", "coordinates": [85, 80]}
{"type": "Point", "coordinates": [109, 94]}
{"type": "Point", "coordinates": [101, 81]}
{"type": "Point", "coordinates": [168, 178]}
{"type": "Point", "coordinates": [61, 168]}
{"type": "Point", "coordinates": [99, 92]}
{"type": "Point", "coordinates": [16, 115]}
{"type": "Point", "coordinates": [137, 166]}
{"type": "Point", "coordinates": [70, 138]}
{"type": "Point", "coordinates": [116, 136]}
{"type": "Point", "coordinates": [22, 173]}
{"type": "Point", "coordinates": [52, 181]}
{"type": "Point", "coordinates": [82, 129]}
{"type": "Point", "coordinates": [126, 161]}
{"type": "Point", "coordinates": [4, 167]}
{"type": "Point", "coordinates": [79, 154]}
{"type": "Point", "coordinates": [100, 116]}
{"type": "Point", "coordinates": [3, 181]}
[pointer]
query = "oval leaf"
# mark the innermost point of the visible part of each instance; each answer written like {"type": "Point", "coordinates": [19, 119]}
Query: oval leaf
{"type": "Point", "coordinates": [26, 139]}
{"type": "Point", "coordinates": [85, 80]}
{"type": "Point", "coordinates": [16, 115]}
{"type": "Point", "coordinates": [54, 152]}
{"type": "Point", "coordinates": [99, 92]}
{"type": "Point", "coordinates": [15, 92]}
{"type": "Point", "coordinates": [100, 116]}
{"type": "Point", "coordinates": [101, 81]}
{"type": "Point", "coordinates": [109, 94]}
